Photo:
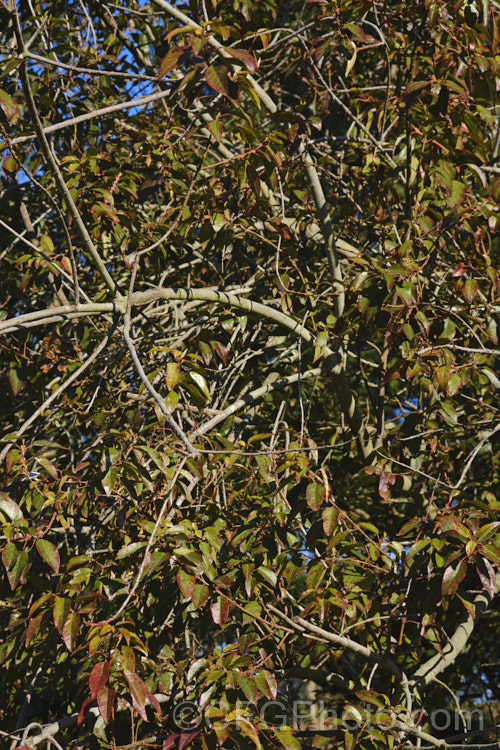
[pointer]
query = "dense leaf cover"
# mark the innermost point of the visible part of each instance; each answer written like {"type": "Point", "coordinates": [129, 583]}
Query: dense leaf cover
{"type": "Point", "coordinates": [249, 333]}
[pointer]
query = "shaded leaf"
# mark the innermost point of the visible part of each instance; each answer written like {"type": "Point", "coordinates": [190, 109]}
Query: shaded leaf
{"type": "Point", "coordinates": [49, 553]}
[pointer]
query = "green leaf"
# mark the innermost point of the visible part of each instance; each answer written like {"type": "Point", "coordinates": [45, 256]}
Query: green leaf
{"type": "Point", "coordinates": [70, 630]}
{"type": "Point", "coordinates": [267, 684]}
{"type": "Point", "coordinates": [9, 555]}
{"type": "Point", "coordinates": [171, 400]}
{"type": "Point", "coordinates": [469, 290]}
{"type": "Point", "coordinates": [173, 375]}
{"type": "Point", "coordinates": [48, 466]}
{"type": "Point", "coordinates": [9, 107]}
{"type": "Point", "coordinates": [170, 60]}
{"type": "Point", "coordinates": [200, 595]}
{"type": "Point", "coordinates": [314, 495]}
{"type": "Point", "coordinates": [15, 381]}
{"type": "Point", "coordinates": [330, 518]}
{"type": "Point", "coordinates": [186, 583]}
{"type": "Point", "coordinates": [492, 552]}
{"type": "Point", "coordinates": [217, 78]}
{"type": "Point", "coordinates": [49, 553]}
{"type": "Point", "coordinates": [216, 127]}
{"type": "Point", "coordinates": [109, 479]}
{"type": "Point", "coordinates": [268, 575]}
{"type": "Point", "coordinates": [9, 508]}
{"type": "Point", "coordinates": [457, 193]}
{"type": "Point", "coordinates": [17, 573]}
{"type": "Point", "coordinates": [195, 668]}
{"type": "Point", "coordinates": [288, 740]}
{"type": "Point", "coordinates": [129, 549]}
{"type": "Point", "coordinates": [247, 686]}
{"type": "Point", "coordinates": [454, 384]}
{"type": "Point", "coordinates": [61, 612]}
{"type": "Point", "coordinates": [452, 578]}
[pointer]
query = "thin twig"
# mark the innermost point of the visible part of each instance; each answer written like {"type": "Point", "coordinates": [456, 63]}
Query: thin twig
{"type": "Point", "coordinates": [151, 539]}
{"type": "Point", "coordinates": [54, 396]}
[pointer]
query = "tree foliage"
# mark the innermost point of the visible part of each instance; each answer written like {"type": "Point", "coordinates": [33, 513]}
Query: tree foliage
{"type": "Point", "coordinates": [249, 336]}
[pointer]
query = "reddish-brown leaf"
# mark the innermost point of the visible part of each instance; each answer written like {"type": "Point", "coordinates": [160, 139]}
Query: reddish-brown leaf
{"type": "Point", "coordinates": [99, 677]}
{"type": "Point", "coordinates": [105, 701]}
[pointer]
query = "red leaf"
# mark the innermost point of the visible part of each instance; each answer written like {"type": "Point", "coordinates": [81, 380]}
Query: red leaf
{"type": "Point", "coordinates": [70, 630]}
{"type": "Point", "coordinates": [84, 710]}
{"type": "Point", "coordinates": [244, 56]}
{"type": "Point", "coordinates": [153, 700]}
{"type": "Point", "coordinates": [187, 737]}
{"type": "Point", "coordinates": [459, 271]}
{"type": "Point", "coordinates": [384, 485]}
{"type": "Point", "coordinates": [138, 692]}
{"type": "Point", "coordinates": [105, 700]}
{"type": "Point", "coordinates": [170, 742]}
{"type": "Point", "coordinates": [221, 350]}
{"type": "Point", "coordinates": [488, 581]}
{"type": "Point", "coordinates": [33, 628]}
{"type": "Point", "coordinates": [99, 677]}
{"type": "Point", "coordinates": [220, 610]}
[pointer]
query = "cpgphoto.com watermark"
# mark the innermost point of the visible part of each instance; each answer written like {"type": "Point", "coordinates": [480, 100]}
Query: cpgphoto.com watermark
{"type": "Point", "coordinates": [188, 715]}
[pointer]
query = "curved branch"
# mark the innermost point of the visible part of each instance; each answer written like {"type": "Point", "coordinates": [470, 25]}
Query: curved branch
{"type": "Point", "coordinates": [54, 315]}
{"type": "Point", "coordinates": [252, 396]}
{"type": "Point", "coordinates": [53, 165]}
{"type": "Point", "coordinates": [456, 643]}
{"type": "Point", "coordinates": [54, 396]}
{"type": "Point", "coordinates": [331, 360]}
{"type": "Point", "coordinates": [298, 623]}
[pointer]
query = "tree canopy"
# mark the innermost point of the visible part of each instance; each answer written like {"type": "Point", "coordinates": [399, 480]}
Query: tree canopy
{"type": "Point", "coordinates": [250, 424]}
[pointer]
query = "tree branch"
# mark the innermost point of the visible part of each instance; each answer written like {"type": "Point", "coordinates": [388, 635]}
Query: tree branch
{"type": "Point", "coordinates": [53, 165]}
{"type": "Point", "coordinates": [252, 396]}
{"type": "Point", "coordinates": [58, 392]}
{"type": "Point", "coordinates": [456, 643]}
{"type": "Point", "coordinates": [298, 623]}
{"type": "Point", "coordinates": [326, 230]}
{"type": "Point", "coordinates": [331, 360]}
